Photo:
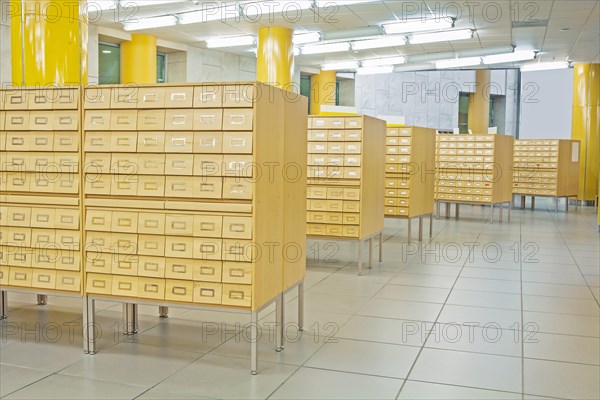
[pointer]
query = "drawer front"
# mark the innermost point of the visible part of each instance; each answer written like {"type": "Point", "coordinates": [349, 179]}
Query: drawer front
{"type": "Point", "coordinates": [317, 135]}
{"type": "Point", "coordinates": [351, 219]}
{"type": "Point", "coordinates": [98, 184]}
{"type": "Point", "coordinates": [151, 288]}
{"type": "Point", "coordinates": [43, 217]}
{"type": "Point", "coordinates": [65, 121]}
{"type": "Point", "coordinates": [151, 186]}
{"type": "Point", "coordinates": [208, 164]}
{"type": "Point", "coordinates": [97, 120]}
{"type": "Point", "coordinates": [22, 277]}
{"type": "Point", "coordinates": [208, 188]}
{"type": "Point", "coordinates": [152, 245]}
{"type": "Point", "coordinates": [235, 188]}
{"type": "Point", "coordinates": [208, 119]}
{"type": "Point", "coordinates": [41, 120]}
{"type": "Point", "coordinates": [46, 259]}
{"type": "Point", "coordinates": [208, 96]}
{"type": "Point", "coordinates": [97, 142]}
{"type": "Point", "coordinates": [335, 193]}
{"type": "Point", "coordinates": [69, 260]}
{"type": "Point", "coordinates": [179, 120]}
{"type": "Point", "coordinates": [353, 148]}
{"type": "Point", "coordinates": [316, 192]}
{"type": "Point", "coordinates": [181, 247]}
{"type": "Point", "coordinates": [207, 249]}
{"type": "Point", "coordinates": [334, 230]}
{"type": "Point", "coordinates": [237, 142]}
{"type": "Point", "coordinates": [151, 97]}
{"type": "Point", "coordinates": [238, 166]}
{"type": "Point", "coordinates": [181, 225]}
{"type": "Point", "coordinates": [98, 262]}
{"type": "Point", "coordinates": [317, 217]}
{"type": "Point", "coordinates": [351, 194]}
{"type": "Point", "coordinates": [179, 268]}
{"type": "Point", "coordinates": [317, 205]}
{"type": "Point", "coordinates": [179, 142]}
{"type": "Point", "coordinates": [179, 164]}
{"type": "Point", "coordinates": [179, 97]}
{"type": "Point", "coordinates": [69, 281]}
{"type": "Point", "coordinates": [43, 238]}
{"type": "Point", "coordinates": [151, 142]}
{"type": "Point", "coordinates": [16, 100]}
{"type": "Point", "coordinates": [208, 225]}
{"type": "Point", "coordinates": [351, 206]}
{"type": "Point", "coordinates": [124, 97]}
{"type": "Point", "coordinates": [124, 222]}
{"type": "Point", "coordinates": [179, 290]}
{"type": "Point", "coordinates": [237, 227]}
{"type": "Point", "coordinates": [315, 229]}
{"type": "Point", "coordinates": [17, 121]}
{"type": "Point", "coordinates": [97, 98]}
{"type": "Point", "coordinates": [123, 120]}
{"type": "Point", "coordinates": [123, 142]}
{"type": "Point", "coordinates": [207, 292]}
{"type": "Point", "coordinates": [238, 250]}
{"type": "Point", "coordinates": [125, 265]}
{"type": "Point", "coordinates": [152, 223]}
{"type": "Point", "coordinates": [350, 231]}
{"type": "Point", "coordinates": [352, 160]}
{"type": "Point", "coordinates": [179, 186]}
{"type": "Point", "coordinates": [99, 283]}
{"type": "Point", "coordinates": [19, 141]}
{"type": "Point", "coordinates": [151, 164]}
{"type": "Point", "coordinates": [4, 274]}
{"type": "Point", "coordinates": [237, 272]}
{"type": "Point", "coordinates": [123, 185]}
{"type": "Point", "coordinates": [237, 295]}
{"type": "Point", "coordinates": [238, 96]}
{"type": "Point", "coordinates": [353, 123]}
{"type": "Point", "coordinates": [18, 216]}
{"type": "Point", "coordinates": [208, 142]}
{"type": "Point", "coordinates": [66, 218]}
{"type": "Point", "coordinates": [124, 286]}
{"type": "Point", "coordinates": [353, 136]}
{"type": "Point", "coordinates": [333, 218]}
{"type": "Point", "coordinates": [207, 271]}
{"type": "Point", "coordinates": [66, 141]}
{"type": "Point", "coordinates": [153, 267]}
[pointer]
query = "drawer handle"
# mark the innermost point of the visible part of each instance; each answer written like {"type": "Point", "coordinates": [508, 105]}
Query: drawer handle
{"type": "Point", "coordinates": [150, 97]}
{"type": "Point", "coordinates": [178, 247]}
{"type": "Point", "coordinates": [20, 276]}
{"type": "Point", "coordinates": [237, 273]}
{"type": "Point", "coordinates": [41, 120]}
{"type": "Point", "coordinates": [126, 222]}
{"type": "Point", "coordinates": [179, 186]}
{"type": "Point", "coordinates": [178, 164]}
{"type": "Point", "coordinates": [179, 268]}
{"type": "Point", "coordinates": [178, 225]}
{"type": "Point", "coordinates": [207, 187]}
{"type": "Point", "coordinates": [237, 228]}
{"type": "Point", "coordinates": [151, 266]}
{"type": "Point", "coordinates": [337, 122]}
{"type": "Point", "coordinates": [178, 119]}
{"type": "Point", "coordinates": [43, 258]}
{"type": "Point", "coordinates": [97, 141]}
{"type": "Point", "coordinates": [178, 96]}
{"type": "Point", "coordinates": [236, 294]}
{"type": "Point", "coordinates": [208, 142]}
{"type": "Point", "coordinates": [179, 291]}
{"type": "Point", "coordinates": [237, 142]}
{"type": "Point", "coordinates": [207, 292]}
{"type": "Point", "coordinates": [18, 217]}
{"type": "Point", "coordinates": [123, 185]}
{"type": "Point", "coordinates": [68, 280]}
{"type": "Point", "coordinates": [19, 237]}
{"type": "Point", "coordinates": [44, 278]}
{"type": "Point", "coordinates": [99, 262]}
{"type": "Point", "coordinates": [151, 120]}
{"type": "Point", "coordinates": [42, 218]}
{"type": "Point", "coordinates": [208, 248]}
{"type": "Point", "coordinates": [66, 219]}
{"type": "Point", "coordinates": [207, 119]}
{"type": "Point", "coordinates": [151, 223]}
{"type": "Point", "coordinates": [207, 271]}
{"type": "Point", "coordinates": [239, 188]}
{"type": "Point", "coordinates": [151, 288]}
{"type": "Point", "coordinates": [179, 141]}
{"type": "Point", "coordinates": [123, 120]}
{"type": "Point", "coordinates": [99, 284]}
{"type": "Point", "coordinates": [150, 245]}
{"type": "Point", "coordinates": [98, 185]}
{"type": "Point", "coordinates": [18, 141]}
{"type": "Point", "coordinates": [125, 286]}
{"type": "Point", "coordinates": [150, 186]}
{"type": "Point", "coordinates": [237, 119]}
{"type": "Point", "coordinates": [41, 141]}
{"type": "Point", "coordinates": [98, 220]}
{"type": "Point", "coordinates": [124, 265]}
{"type": "Point", "coordinates": [17, 120]}
{"type": "Point", "coordinates": [124, 243]}
{"type": "Point", "coordinates": [21, 257]}
{"type": "Point", "coordinates": [207, 226]}
{"type": "Point", "coordinates": [150, 141]}
{"type": "Point", "coordinates": [97, 120]}
{"type": "Point", "coordinates": [43, 239]}
{"type": "Point", "coordinates": [236, 249]}
{"type": "Point", "coordinates": [123, 141]}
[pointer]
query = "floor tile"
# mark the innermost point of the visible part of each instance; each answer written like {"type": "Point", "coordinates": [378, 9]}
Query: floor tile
{"type": "Point", "coordinates": [413, 293]}
{"type": "Point", "coordinates": [13, 378]}
{"type": "Point", "coordinates": [434, 281]}
{"type": "Point", "coordinates": [385, 330]}
{"type": "Point", "coordinates": [554, 290]}
{"type": "Point", "coordinates": [564, 380]}
{"type": "Point", "coordinates": [488, 285]}
{"type": "Point", "coordinates": [469, 338]}
{"type": "Point", "coordinates": [310, 383]}
{"type": "Point", "coordinates": [347, 287]}
{"type": "Point", "coordinates": [563, 323]}
{"type": "Point", "coordinates": [407, 310]}
{"type": "Point", "coordinates": [576, 349]}
{"type": "Point", "coordinates": [485, 317]}
{"type": "Point", "coordinates": [485, 299]}
{"type": "Point", "coordinates": [561, 305]}
{"type": "Point", "coordinates": [426, 391]}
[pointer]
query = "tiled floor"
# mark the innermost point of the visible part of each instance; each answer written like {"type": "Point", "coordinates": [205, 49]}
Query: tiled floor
{"type": "Point", "coordinates": [481, 311]}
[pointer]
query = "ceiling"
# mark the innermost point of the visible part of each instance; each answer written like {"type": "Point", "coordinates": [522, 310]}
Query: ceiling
{"type": "Point", "coordinates": [559, 29]}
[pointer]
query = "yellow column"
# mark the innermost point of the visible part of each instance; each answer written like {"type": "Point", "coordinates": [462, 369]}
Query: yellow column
{"type": "Point", "coordinates": [275, 57]}
{"type": "Point", "coordinates": [586, 126]}
{"type": "Point", "coordinates": [49, 41]}
{"type": "Point", "coordinates": [479, 103]}
{"type": "Point", "coordinates": [322, 91]}
{"type": "Point", "coordinates": [138, 59]}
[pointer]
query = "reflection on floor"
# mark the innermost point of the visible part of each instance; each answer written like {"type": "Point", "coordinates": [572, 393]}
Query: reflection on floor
{"type": "Point", "coordinates": [480, 311]}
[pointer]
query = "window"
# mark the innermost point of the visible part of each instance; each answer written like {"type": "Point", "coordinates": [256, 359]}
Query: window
{"type": "Point", "coordinates": [161, 67]}
{"type": "Point", "coordinates": [305, 88]}
{"type": "Point", "coordinates": [109, 63]}
{"type": "Point", "coordinates": [463, 113]}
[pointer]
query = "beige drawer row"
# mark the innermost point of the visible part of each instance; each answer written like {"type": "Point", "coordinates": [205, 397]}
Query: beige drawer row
{"type": "Point", "coordinates": [469, 159]}
{"type": "Point", "coordinates": [466, 184]}
{"type": "Point", "coordinates": [533, 173]}
{"type": "Point", "coordinates": [351, 160]}
{"type": "Point", "coordinates": [323, 217]}
{"type": "Point", "coordinates": [334, 135]}
{"type": "Point", "coordinates": [202, 119]}
{"type": "Point", "coordinates": [44, 258]}
{"type": "Point", "coordinates": [334, 148]}
{"type": "Point", "coordinates": [464, 146]}
{"type": "Point", "coordinates": [334, 172]}
{"type": "Point", "coordinates": [39, 237]}
{"type": "Point", "coordinates": [543, 186]}
{"type": "Point", "coordinates": [345, 206]}
{"type": "Point", "coordinates": [465, 138]}
{"type": "Point", "coordinates": [40, 162]}
{"type": "Point", "coordinates": [39, 99]}
{"type": "Point", "coordinates": [538, 192]}
{"type": "Point", "coordinates": [169, 142]}
{"type": "Point", "coordinates": [39, 217]}
{"type": "Point", "coordinates": [464, 190]}
{"type": "Point", "coordinates": [170, 289]}
{"type": "Point", "coordinates": [45, 182]}
{"type": "Point", "coordinates": [396, 211]}
{"type": "Point", "coordinates": [160, 223]}
{"type": "Point", "coordinates": [349, 231]}
{"type": "Point", "coordinates": [534, 180]}
{"type": "Point", "coordinates": [229, 188]}
{"type": "Point", "coordinates": [535, 164]}
{"type": "Point", "coordinates": [333, 193]}
{"type": "Point", "coordinates": [397, 202]}
{"type": "Point", "coordinates": [465, 198]}
{"type": "Point", "coordinates": [466, 152]}
{"type": "Point", "coordinates": [41, 121]}
{"type": "Point", "coordinates": [39, 141]}
{"type": "Point", "coordinates": [536, 142]}
{"type": "Point", "coordinates": [335, 123]}
{"type": "Point", "coordinates": [40, 278]}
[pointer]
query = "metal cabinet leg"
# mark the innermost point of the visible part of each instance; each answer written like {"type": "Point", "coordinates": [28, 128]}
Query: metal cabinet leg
{"type": "Point", "coordinates": [380, 246]}
{"type": "Point", "coordinates": [509, 207]}
{"type": "Point", "coordinates": [430, 225]}
{"type": "Point", "coordinates": [457, 210]}
{"type": "Point", "coordinates": [447, 210]}
{"type": "Point", "coordinates": [301, 306]}
{"type": "Point", "coordinates": [409, 228]}
{"type": "Point", "coordinates": [532, 202]}
{"type": "Point", "coordinates": [279, 318]}
{"type": "Point", "coordinates": [523, 199]}
{"type": "Point", "coordinates": [42, 299]}
{"type": "Point", "coordinates": [163, 312]}
{"type": "Point", "coordinates": [3, 304]}
{"type": "Point", "coordinates": [89, 325]}
{"type": "Point", "coordinates": [492, 215]}
{"type": "Point", "coordinates": [566, 204]}
{"type": "Point", "coordinates": [500, 216]}
{"type": "Point", "coordinates": [254, 343]}
{"type": "Point", "coordinates": [556, 203]}
{"type": "Point", "coordinates": [420, 228]}
{"type": "Point", "coordinates": [370, 253]}
{"type": "Point", "coordinates": [437, 209]}
{"type": "Point", "coordinates": [130, 319]}
{"type": "Point", "coordinates": [360, 258]}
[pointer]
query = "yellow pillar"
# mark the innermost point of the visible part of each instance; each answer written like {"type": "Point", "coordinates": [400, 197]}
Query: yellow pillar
{"type": "Point", "coordinates": [138, 59]}
{"type": "Point", "coordinates": [275, 57]}
{"type": "Point", "coordinates": [586, 126]}
{"type": "Point", "coordinates": [479, 103]}
{"type": "Point", "coordinates": [322, 91]}
{"type": "Point", "coordinates": [49, 41]}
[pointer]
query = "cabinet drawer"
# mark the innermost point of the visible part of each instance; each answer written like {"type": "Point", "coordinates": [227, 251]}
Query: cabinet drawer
{"type": "Point", "coordinates": [352, 160]}
{"type": "Point", "coordinates": [153, 223]}
{"type": "Point", "coordinates": [334, 230]}
{"type": "Point", "coordinates": [317, 135]}
{"type": "Point", "coordinates": [350, 231]}
{"type": "Point", "coordinates": [17, 121]}
{"type": "Point", "coordinates": [43, 258]}
{"type": "Point", "coordinates": [151, 185]}
{"type": "Point", "coordinates": [97, 141]}
{"type": "Point", "coordinates": [124, 163]}
{"type": "Point", "coordinates": [179, 97]}
{"type": "Point", "coordinates": [43, 217]}
{"type": "Point", "coordinates": [181, 225]}
{"type": "Point", "coordinates": [41, 120]}
{"type": "Point", "coordinates": [151, 142]}
{"type": "Point", "coordinates": [179, 290]}
{"type": "Point", "coordinates": [153, 267]}
{"type": "Point", "coordinates": [179, 142]}
{"type": "Point", "coordinates": [208, 225]}
{"type": "Point", "coordinates": [208, 164]}
{"type": "Point", "coordinates": [316, 216]}
{"type": "Point", "coordinates": [207, 249]}
{"type": "Point", "coordinates": [316, 229]}
{"type": "Point", "coordinates": [18, 236]}
{"type": "Point", "coordinates": [65, 141]}
{"type": "Point", "coordinates": [238, 250]}
{"type": "Point", "coordinates": [43, 238]}
{"type": "Point", "coordinates": [99, 241]}
{"type": "Point", "coordinates": [237, 295]}
{"type": "Point", "coordinates": [351, 194]}
{"type": "Point", "coordinates": [333, 218]}
{"type": "Point", "coordinates": [151, 245]}
{"type": "Point", "coordinates": [20, 277]}
{"type": "Point", "coordinates": [98, 184]}
{"type": "Point", "coordinates": [237, 142]}
{"type": "Point", "coordinates": [68, 280]}
{"type": "Point", "coordinates": [237, 227]}
{"type": "Point", "coordinates": [179, 268]}
{"type": "Point", "coordinates": [123, 185]}
{"type": "Point", "coordinates": [179, 186]}
{"type": "Point", "coordinates": [351, 206]}
{"type": "Point", "coordinates": [179, 120]}
{"type": "Point", "coordinates": [238, 166]}
{"type": "Point", "coordinates": [123, 142]}
{"type": "Point", "coordinates": [125, 265]}
{"type": "Point", "coordinates": [208, 96]}
{"type": "Point", "coordinates": [125, 120]}
{"type": "Point", "coordinates": [65, 121]}
{"type": "Point", "coordinates": [124, 243]}
{"type": "Point", "coordinates": [352, 148]}
{"type": "Point", "coordinates": [317, 159]}
{"type": "Point", "coordinates": [98, 262]}
{"type": "Point", "coordinates": [96, 97]}
{"type": "Point", "coordinates": [335, 136]}
{"type": "Point", "coordinates": [181, 247]}
{"type": "Point", "coordinates": [151, 97]}
{"type": "Point", "coordinates": [208, 119]}
{"type": "Point", "coordinates": [335, 148]}
{"type": "Point", "coordinates": [69, 260]}
{"type": "Point", "coordinates": [319, 148]}
{"type": "Point", "coordinates": [97, 120]}
{"type": "Point", "coordinates": [19, 141]}
{"type": "Point", "coordinates": [317, 205]}
{"type": "Point", "coordinates": [334, 205]}
{"type": "Point", "coordinates": [124, 285]}
{"type": "Point", "coordinates": [179, 164]}
{"type": "Point", "coordinates": [151, 164]}
{"type": "Point", "coordinates": [98, 220]}
{"type": "Point", "coordinates": [125, 96]}
{"type": "Point", "coordinates": [235, 188]}
{"type": "Point", "coordinates": [236, 272]}
{"type": "Point", "coordinates": [335, 193]}
{"type": "Point", "coordinates": [238, 96]}
{"type": "Point", "coordinates": [208, 271]}
{"type": "Point", "coordinates": [16, 99]}
{"type": "Point", "coordinates": [19, 182]}
{"type": "Point", "coordinates": [316, 192]}
{"type": "Point", "coordinates": [151, 288]}
{"type": "Point", "coordinates": [124, 222]}
{"type": "Point", "coordinates": [353, 123]}
{"type": "Point", "coordinates": [208, 142]}
{"type": "Point", "coordinates": [207, 292]}
{"type": "Point", "coordinates": [209, 188]}
{"type": "Point", "coordinates": [20, 257]}
{"type": "Point", "coordinates": [352, 173]}
{"type": "Point", "coordinates": [18, 216]}
{"type": "Point", "coordinates": [4, 274]}
{"type": "Point", "coordinates": [66, 218]}
{"type": "Point", "coordinates": [99, 283]}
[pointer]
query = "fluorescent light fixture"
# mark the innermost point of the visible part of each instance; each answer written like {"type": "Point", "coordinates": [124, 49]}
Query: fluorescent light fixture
{"type": "Point", "coordinates": [340, 66]}
{"type": "Point", "coordinates": [106, 51]}
{"type": "Point", "coordinates": [521, 55]}
{"type": "Point", "coordinates": [458, 62]}
{"type": "Point", "coordinates": [325, 48]}
{"type": "Point", "coordinates": [268, 8]}
{"type": "Point", "coordinates": [418, 25]}
{"type": "Point", "coordinates": [378, 62]}
{"type": "Point", "coordinates": [150, 23]}
{"type": "Point", "coordinates": [337, 3]}
{"type": "Point", "coordinates": [384, 41]}
{"type": "Point", "coordinates": [234, 41]}
{"type": "Point", "coordinates": [375, 70]}
{"type": "Point", "coordinates": [545, 66]}
{"type": "Point", "coordinates": [303, 38]}
{"type": "Point", "coordinates": [444, 36]}
{"type": "Point", "coordinates": [210, 13]}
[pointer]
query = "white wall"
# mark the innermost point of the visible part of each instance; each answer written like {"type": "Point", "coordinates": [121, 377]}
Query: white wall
{"type": "Point", "coordinates": [5, 51]}
{"type": "Point", "coordinates": [546, 104]}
